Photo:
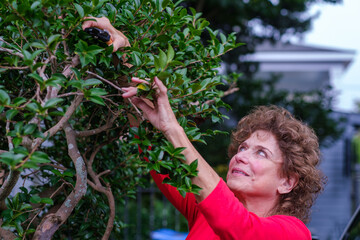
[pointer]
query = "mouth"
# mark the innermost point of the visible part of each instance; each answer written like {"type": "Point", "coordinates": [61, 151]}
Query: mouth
{"type": "Point", "coordinates": [237, 171]}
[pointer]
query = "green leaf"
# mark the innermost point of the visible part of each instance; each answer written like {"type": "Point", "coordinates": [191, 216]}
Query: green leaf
{"type": "Point", "coordinates": [91, 81]}
{"type": "Point", "coordinates": [11, 159]}
{"type": "Point", "coordinates": [162, 59]}
{"type": "Point", "coordinates": [38, 79]}
{"type": "Point", "coordinates": [34, 107]}
{"type": "Point", "coordinates": [52, 102]}
{"type": "Point", "coordinates": [170, 53]}
{"type": "Point", "coordinates": [4, 98]}
{"type": "Point", "coordinates": [37, 45]}
{"type": "Point", "coordinates": [25, 206]}
{"type": "Point", "coordinates": [47, 201]}
{"type": "Point", "coordinates": [39, 157]}
{"type": "Point", "coordinates": [53, 38]}
{"type": "Point", "coordinates": [55, 80]}
{"type": "Point", "coordinates": [18, 127]}
{"type": "Point", "coordinates": [79, 9]}
{"type": "Point", "coordinates": [77, 73]}
{"type": "Point", "coordinates": [18, 101]}
{"type": "Point", "coordinates": [136, 59]}
{"type": "Point", "coordinates": [29, 129]}
{"type": "Point", "coordinates": [17, 141]}
{"type": "Point", "coordinates": [35, 199]}
{"type": "Point", "coordinates": [165, 3]}
{"type": "Point", "coordinates": [163, 75]}
{"type": "Point", "coordinates": [97, 92]}
{"type": "Point", "coordinates": [97, 100]}
{"type": "Point", "coordinates": [188, 182]}
{"type": "Point", "coordinates": [21, 150]}
{"type": "Point", "coordinates": [11, 113]}
{"type": "Point", "coordinates": [35, 4]}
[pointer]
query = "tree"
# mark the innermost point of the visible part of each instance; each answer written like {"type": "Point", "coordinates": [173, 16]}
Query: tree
{"type": "Point", "coordinates": [256, 21]}
{"type": "Point", "coordinates": [64, 124]}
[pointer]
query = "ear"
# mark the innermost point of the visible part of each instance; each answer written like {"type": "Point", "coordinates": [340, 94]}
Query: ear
{"type": "Point", "coordinates": [287, 184]}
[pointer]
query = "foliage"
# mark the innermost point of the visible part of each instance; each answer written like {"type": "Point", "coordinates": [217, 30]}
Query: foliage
{"type": "Point", "coordinates": [63, 119]}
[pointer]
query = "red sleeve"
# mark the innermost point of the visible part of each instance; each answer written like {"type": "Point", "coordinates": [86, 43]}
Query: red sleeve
{"type": "Point", "coordinates": [230, 220]}
{"type": "Point", "coordinates": [186, 206]}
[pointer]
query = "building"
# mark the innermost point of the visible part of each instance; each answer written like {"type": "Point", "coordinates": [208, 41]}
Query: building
{"type": "Point", "coordinates": [305, 68]}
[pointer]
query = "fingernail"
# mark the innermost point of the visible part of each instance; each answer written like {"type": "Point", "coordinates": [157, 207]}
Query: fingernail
{"type": "Point", "coordinates": [135, 78]}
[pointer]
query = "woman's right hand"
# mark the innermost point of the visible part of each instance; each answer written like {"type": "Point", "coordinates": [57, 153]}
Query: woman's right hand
{"type": "Point", "coordinates": [159, 113]}
{"type": "Point", "coordinates": [118, 39]}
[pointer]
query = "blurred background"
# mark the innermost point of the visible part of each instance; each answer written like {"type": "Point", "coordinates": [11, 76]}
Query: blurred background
{"type": "Point", "coordinates": [298, 54]}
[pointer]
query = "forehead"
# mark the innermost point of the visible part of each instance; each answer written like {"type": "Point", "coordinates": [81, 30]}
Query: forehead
{"type": "Point", "coordinates": [262, 136]}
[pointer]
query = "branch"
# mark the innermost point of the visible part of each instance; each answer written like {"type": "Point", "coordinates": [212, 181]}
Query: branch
{"type": "Point", "coordinates": [226, 93]}
{"type": "Point", "coordinates": [2, 49]}
{"type": "Point", "coordinates": [9, 184]}
{"type": "Point", "coordinates": [100, 188]}
{"type": "Point", "coordinates": [105, 127]}
{"type": "Point", "coordinates": [49, 133]}
{"type": "Point", "coordinates": [17, 68]}
{"type": "Point", "coordinates": [6, 234]}
{"type": "Point", "coordinates": [105, 80]}
{"type": "Point", "coordinates": [118, 88]}
{"type": "Point", "coordinates": [67, 69]}
{"type": "Point", "coordinates": [51, 223]}
{"type": "Point", "coordinates": [110, 197]}
{"type": "Point", "coordinates": [52, 92]}
{"type": "Point", "coordinates": [52, 131]}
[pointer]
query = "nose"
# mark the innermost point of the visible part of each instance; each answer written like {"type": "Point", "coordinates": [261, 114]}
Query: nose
{"type": "Point", "coordinates": [242, 157]}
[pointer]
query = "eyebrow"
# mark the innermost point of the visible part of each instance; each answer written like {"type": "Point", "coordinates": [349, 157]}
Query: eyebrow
{"type": "Point", "coordinates": [262, 147]}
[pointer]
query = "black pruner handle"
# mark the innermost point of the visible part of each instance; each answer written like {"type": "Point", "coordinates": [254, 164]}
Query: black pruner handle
{"type": "Point", "coordinates": [98, 33]}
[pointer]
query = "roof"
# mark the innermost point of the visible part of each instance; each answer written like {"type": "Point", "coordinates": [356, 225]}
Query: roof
{"type": "Point", "coordinates": [303, 67]}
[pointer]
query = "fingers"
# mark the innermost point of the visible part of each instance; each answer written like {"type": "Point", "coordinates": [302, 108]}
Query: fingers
{"type": "Point", "coordinates": [138, 80]}
{"type": "Point", "coordinates": [129, 92]}
{"type": "Point", "coordinates": [146, 108]}
{"type": "Point", "coordinates": [102, 23]}
{"type": "Point", "coordinates": [161, 86]}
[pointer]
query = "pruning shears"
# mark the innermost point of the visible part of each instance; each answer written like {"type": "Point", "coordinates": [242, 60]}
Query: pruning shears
{"type": "Point", "coordinates": [102, 35]}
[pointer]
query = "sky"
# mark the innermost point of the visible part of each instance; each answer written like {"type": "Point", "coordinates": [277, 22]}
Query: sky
{"type": "Point", "coordinates": [338, 26]}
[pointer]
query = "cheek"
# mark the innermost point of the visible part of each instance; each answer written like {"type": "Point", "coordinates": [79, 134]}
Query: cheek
{"type": "Point", "coordinates": [258, 168]}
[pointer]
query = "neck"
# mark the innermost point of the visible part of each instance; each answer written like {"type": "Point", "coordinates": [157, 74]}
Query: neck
{"type": "Point", "coordinates": [262, 207]}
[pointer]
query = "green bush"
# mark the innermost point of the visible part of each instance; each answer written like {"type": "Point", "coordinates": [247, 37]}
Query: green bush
{"type": "Point", "coordinates": [63, 119]}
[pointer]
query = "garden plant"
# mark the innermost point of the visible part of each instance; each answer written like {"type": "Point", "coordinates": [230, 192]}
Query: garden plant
{"type": "Point", "coordinates": [69, 155]}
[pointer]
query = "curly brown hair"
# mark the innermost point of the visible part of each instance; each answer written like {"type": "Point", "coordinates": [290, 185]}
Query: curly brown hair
{"type": "Point", "coordinates": [300, 149]}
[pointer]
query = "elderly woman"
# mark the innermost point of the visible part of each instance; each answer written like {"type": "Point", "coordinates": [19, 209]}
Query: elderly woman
{"type": "Point", "coordinates": [272, 179]}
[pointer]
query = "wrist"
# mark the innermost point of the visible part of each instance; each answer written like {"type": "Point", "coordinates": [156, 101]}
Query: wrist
{"type": "Point", "coordinates": [173, 131]}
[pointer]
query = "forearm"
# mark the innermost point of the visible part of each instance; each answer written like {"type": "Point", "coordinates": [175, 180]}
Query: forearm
{"type": "Point", "coordinates": [207, 178]}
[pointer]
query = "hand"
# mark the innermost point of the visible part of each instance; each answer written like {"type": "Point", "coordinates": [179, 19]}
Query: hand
{"type": "Point", "coordinates": [159, 113]}
{"type": "Point", "coordinates": [117, 38]}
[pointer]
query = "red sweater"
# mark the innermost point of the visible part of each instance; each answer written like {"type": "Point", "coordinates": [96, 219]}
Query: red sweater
{"type": "Point", "coordinates": [222, 216]}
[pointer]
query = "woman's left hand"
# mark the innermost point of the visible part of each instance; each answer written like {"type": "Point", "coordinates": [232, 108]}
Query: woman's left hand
{"type": "Point", "coordinates": [159, 113]}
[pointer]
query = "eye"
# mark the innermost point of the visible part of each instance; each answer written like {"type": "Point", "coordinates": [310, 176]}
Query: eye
{"type": "Point", "coordinates": [241, 148]}
{"type": "Point", "coordinates": [262, 153]}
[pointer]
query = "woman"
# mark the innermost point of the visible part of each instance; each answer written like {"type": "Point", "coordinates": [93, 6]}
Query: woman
{"type": "Point", "coordinates": [272, 179]}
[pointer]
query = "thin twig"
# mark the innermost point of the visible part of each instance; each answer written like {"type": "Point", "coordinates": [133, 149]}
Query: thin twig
{"type": "Point", "coordinates": [118, 88]}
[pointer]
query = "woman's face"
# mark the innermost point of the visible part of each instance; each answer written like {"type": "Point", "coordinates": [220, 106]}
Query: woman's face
{"type": "Point", "coordinates": [254, 171]}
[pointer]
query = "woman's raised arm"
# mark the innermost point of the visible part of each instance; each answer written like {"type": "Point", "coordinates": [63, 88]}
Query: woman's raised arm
{"type": "Point", "coordinates": [162, 117]}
